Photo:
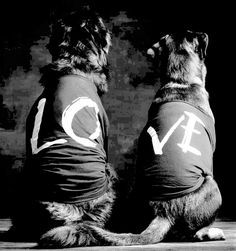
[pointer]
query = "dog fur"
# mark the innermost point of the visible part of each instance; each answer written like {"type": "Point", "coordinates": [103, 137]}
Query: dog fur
{"type": "Point", "coordinates": [79, 46]}
{"type": "Point", "coordinates": [179, 58]}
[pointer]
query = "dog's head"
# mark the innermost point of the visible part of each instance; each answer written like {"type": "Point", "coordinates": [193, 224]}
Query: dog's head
{"type": "Point", "coordinates": [180, 57]}
{"type": "Point", "coordinates": [79, 44]}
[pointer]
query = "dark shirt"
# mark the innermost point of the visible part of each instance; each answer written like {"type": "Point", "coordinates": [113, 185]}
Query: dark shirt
{"type": "Point", "coordinates": [67, 131]}
{"type": "Point", "coordinates": [175, 151]}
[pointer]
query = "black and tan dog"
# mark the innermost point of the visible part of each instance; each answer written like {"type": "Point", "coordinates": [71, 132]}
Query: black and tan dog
{"type": "Point", "coordinates": [67, 182]}
{"type": "Point", "coordinates": [175, 150]}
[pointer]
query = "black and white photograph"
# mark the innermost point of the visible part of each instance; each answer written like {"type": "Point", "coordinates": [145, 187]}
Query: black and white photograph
{"type": "Point", "coordinates": [117, 125]}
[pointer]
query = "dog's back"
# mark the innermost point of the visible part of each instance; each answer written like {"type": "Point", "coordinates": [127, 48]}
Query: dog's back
{"type": "Point", "coordinates": [174, 166]}
{"type": "Point", "coordinates": [175, 151]}
{"type": "Point", "coordinates": [67, 180]}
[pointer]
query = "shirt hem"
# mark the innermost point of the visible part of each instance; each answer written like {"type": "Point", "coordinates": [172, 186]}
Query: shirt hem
{"type": "Point", "coordinates": [179, 194]}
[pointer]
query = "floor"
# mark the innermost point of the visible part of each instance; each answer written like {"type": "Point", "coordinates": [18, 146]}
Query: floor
{"type": "Point", "coordinates": [229, 228]}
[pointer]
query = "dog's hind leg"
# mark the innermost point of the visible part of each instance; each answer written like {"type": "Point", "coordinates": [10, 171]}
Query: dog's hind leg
{"type": "Point", "coordinates": [67, 236]}
{"type": "Point", "coordinates": [201, 211]}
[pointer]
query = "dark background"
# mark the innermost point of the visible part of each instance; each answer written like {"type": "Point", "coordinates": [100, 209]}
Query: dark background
{"type": "Point", "coordinates": [23, 23]}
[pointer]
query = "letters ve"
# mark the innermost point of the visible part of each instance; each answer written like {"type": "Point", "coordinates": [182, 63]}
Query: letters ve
{"type": "Point", "coordinates": [185, 144]}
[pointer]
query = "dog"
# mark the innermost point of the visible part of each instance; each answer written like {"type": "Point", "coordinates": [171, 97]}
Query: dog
{"type": "Point", "coordinates": [175, 150]}
{"type": "Point", "coordinates": [67, 182]}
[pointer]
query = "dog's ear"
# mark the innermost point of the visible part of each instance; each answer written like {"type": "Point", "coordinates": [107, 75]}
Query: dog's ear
{"type": "Point", "coordinates": [203, 44]}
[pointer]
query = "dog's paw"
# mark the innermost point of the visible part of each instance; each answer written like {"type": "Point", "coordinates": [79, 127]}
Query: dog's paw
{"type": "Point", "coordinates": [209, 234]}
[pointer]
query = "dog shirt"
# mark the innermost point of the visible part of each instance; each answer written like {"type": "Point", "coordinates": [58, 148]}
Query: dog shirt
{"type": "Point", "coordinates": [67, 131]}
{"type": "Point", "coordinates": [175, 151]}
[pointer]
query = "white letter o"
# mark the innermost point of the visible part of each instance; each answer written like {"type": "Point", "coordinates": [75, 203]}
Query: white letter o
{"type": "Point", "coordinates": [68, 115]}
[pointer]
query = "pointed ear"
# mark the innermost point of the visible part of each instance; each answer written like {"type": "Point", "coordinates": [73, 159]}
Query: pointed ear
{"type": "Point", "coordinates": [203, 44]}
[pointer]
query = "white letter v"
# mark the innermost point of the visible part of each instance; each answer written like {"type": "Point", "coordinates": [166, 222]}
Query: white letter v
{"type": "Point", "coordinates": [157, 145]}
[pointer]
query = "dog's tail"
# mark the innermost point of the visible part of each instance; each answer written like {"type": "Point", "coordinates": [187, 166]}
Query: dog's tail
{"type": "Point", "coordinates": [81, 235]}
{"type": "Point", "coordinates": [84, 234]}
{"type": "Point", "coordinates": [154, 233]}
